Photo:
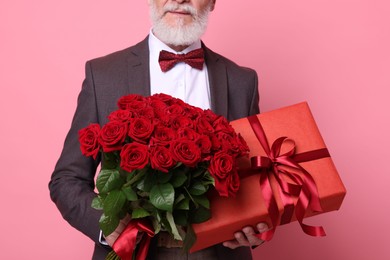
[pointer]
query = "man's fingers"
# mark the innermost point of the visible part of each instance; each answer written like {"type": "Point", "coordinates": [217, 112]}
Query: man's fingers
{"type": "Point", "coordinates": [241, 239]}
{"type": "Point", "coordinates": [114, 235]}
{"type": "Point", "coordinates": [247, 237]}
{"type": "Point", "coordinates": [232, 244]}
{"type": "Point", "coordinates": [262, 227]}
{"type": "Point", "coordinates": [251, 237]}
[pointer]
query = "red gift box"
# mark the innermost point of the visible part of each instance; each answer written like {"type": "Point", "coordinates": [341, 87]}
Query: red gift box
{"type": "Point", "coordinates": [314, 188]}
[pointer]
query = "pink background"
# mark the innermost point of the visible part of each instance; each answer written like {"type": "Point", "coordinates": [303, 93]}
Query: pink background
{"type": "Point", "coordinates": [332, 53]}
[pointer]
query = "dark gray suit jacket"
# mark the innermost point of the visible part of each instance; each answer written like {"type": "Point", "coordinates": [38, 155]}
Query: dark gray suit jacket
{"type": "Point", "coordinates": [234, 94]}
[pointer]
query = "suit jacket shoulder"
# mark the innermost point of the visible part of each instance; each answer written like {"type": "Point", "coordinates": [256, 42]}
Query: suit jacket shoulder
{"type": "Point", "coordinates": [233, 88]}
{"type": "Point", "coordinates": [229, 63]}
{"type": "Point", "coordinates": [117, 74]}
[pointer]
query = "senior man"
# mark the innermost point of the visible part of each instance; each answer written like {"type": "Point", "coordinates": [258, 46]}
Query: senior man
{"type": "Point", "coordinates": [212, 81]}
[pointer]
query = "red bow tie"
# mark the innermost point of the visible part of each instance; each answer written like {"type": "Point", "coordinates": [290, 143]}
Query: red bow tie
{"type": "Point", "coordinates": [194, 58]}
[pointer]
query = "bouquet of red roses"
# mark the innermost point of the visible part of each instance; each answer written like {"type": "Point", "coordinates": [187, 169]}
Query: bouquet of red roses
{"type": "Point", "coordinates": [160, 156]}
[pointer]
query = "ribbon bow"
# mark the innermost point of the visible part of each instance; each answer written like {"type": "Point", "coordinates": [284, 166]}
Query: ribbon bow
{"type": "Point", "coordinates": [125, 245]}
{"type": "Point", "coordinates": [168, 60]}
{"type": "Point", "coordinates": [277, 165]}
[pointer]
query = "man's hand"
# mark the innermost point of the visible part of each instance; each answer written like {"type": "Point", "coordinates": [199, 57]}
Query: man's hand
{"type": "Point", "coordinates": [111, 238]}
{"type": "Point", "coordinates": [247, 237]}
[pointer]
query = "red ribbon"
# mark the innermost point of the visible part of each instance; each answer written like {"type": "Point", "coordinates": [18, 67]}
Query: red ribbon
{"type": "Point", "coordinates": [278, 165]}
{"type": "Point", "coordinates": [126, 243]}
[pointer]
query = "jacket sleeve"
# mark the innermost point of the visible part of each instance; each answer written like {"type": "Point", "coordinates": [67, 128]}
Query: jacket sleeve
{"type": "Point", "coordinates": [72, 182]}
{"type": "Point", "coordinates": [255, 106]}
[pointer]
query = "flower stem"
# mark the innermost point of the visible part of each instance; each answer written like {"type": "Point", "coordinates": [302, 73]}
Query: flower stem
{"type": "Point", "coordinates": [196, 204]}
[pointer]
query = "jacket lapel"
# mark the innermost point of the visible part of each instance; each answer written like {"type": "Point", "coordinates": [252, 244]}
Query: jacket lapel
{"type": "Point", "coordinates": [218, 82]}
{"type": "Point", "coordinates": [138, 69]}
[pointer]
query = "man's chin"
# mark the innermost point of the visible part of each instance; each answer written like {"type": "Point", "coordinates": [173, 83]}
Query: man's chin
{"type": "Point", "coordinates": [178, 34]}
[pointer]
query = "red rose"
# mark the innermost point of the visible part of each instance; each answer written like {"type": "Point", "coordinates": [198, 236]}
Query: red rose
{"type": "Point", "coordinates": [134, 156]}
{"type": "Point", "coordinates": [204, 145]}
{"type": "Point", "coordinates": [112, 136]}
{"type": "Point", "coordinates": [140, 129]}
{"type": "Point", "coordinates": [229, 142]}
{"type": "Point", "coordinates": [181, 121]}
{"type": "Point", "coordinates": [185, 151]}
{"type": "Point", "coordinates": [163, 119]}
{"type": "Point", "coordinates": [136, 106]}
{"type": "Point", "coordinates": [177, 101]}
{"type": "Point", "coordinates": [192, 112]}
{"type": "Point", "coordinates": [187, 133]}
{"type": "Point", "coordinates": [234, 183]}
{"type": "Point", "coordinates": [203, 126]}
{"type": "Point", "coordinates": [126, 102]}
{"type": "Point", "coordinates": [158, 107]}
{"type": "Point", "coordinates": [157, 104]}
{"type": "Point", "coordinates": [215, 143]}
{"type": "Point", "coordinates": [221, 124]}
{"type": "Point", "coordinates": [120, 115]}
{"type": "Point", "coordinates": [147, 112]}
{"type": "Point", "coordinates": [88, 138]}
{"type": "Point", "coordinates": [161, 158]}
{"type": "Point", "coordinates": [222, 165]}
{"type": "Point", "coordinates": [244, 148]}
{"type": "Point", "coordinates": [229, 186]}
{"type": "Point", "coordinates": [167, 99]}
{"type": "Point", "coordinates": [210, 115]}
{"type": "Point", "coordinates": [174, 109]}
{"type": "Point", "coordinates": [163, 135]}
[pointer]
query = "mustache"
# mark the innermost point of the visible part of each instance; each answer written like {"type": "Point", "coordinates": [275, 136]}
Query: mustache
{"type": "Point", "coordinates": [180, 8]}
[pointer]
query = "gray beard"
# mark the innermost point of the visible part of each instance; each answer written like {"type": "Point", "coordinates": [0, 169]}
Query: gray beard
{"type": "Point", "coordinates": [179, 34]}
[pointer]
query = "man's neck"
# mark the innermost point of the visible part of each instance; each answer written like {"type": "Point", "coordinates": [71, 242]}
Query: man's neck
{"type": "Point", "coordinates": [177, 48]}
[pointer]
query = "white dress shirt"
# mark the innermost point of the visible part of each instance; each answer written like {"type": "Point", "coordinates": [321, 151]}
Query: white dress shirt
{"type": "Point", "coordinates": [182, 81]}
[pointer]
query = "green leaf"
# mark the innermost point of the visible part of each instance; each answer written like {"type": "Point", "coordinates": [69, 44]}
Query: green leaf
{"type": "Point", "coordinates": [131, 175]}
{"type": "Point", "coordinates": [197, 189]}
{"type": "Point", "coordinates": [178, 179]}
{"type": "Point", "coordinates": [202, 200]}
{"type": "Point", "coordinates": [141, 185]}
{"type": "Point", "coordinates": [114, 202]}
{"type": "Point", "coordinates": [172, 224]}
{"type": "Point", "coordinates": [178, 165]}
{"type": "Point", "coordinates": [139, 213]}
{"type": "Point", "coordinates": [163, 221]}
{"type": "Point", "coordinates": [136, 175]}
{"type": "Point", "coordinates": [208, 179]}
{"type": "Point", "coordinates": [179, 197]}
{"type": "Point", "coordinates": [181, 217]}
{"type": "Point", "coordinates": [197, 172]}
{"type": "Point", "coordinates": [180, 168]}
{"type": "Point", "coordinates": [147, 205]}
{"type": "Point", "coordinates": [156, 225]}
{"type": "Point", "coordinates": [108, 224]}
{"type": "Point", "coordinates": [146, 183]}
{"type": "Point", "coordinates": [199, 215]}
{"type": "Point", "coordinates": [97, 203]}
{"type": "Point", "coordinates": [108, 180]}
{"type": "Point", "coordinates": [183, 204]}
{"type": "Point", "coordinates": [163, 177]}
{"type": "Point", "coordinates": [131, 195]}
{"type": "Point", "coordinates": [162, 196]}
{"type": "Point", "coordinates": [110, 160]}
{"type": "Point", "coordinates": [189, 239]}
{"type": "Point", "coordinates": [123, 213]}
